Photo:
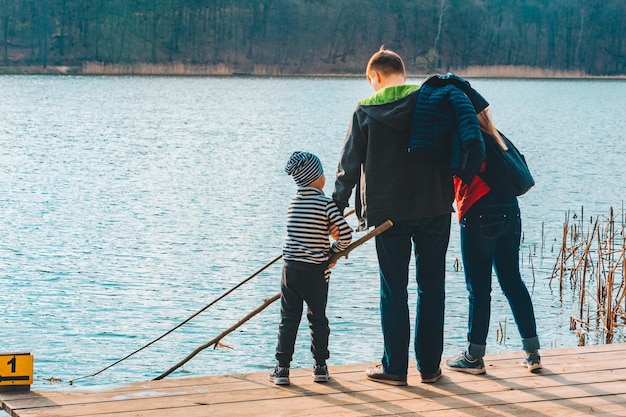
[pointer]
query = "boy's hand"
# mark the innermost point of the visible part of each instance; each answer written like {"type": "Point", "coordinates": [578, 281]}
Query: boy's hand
{"type": "Point", "coordinates": [330, 266]}
{"type": "Point", "coordinates": [333, 231]}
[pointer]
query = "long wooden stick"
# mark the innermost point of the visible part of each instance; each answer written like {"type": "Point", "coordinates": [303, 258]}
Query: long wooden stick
{"type": "Point", "coordinates": [214, 342]}
{"type": "Point", "coordinates": [378, 230]}
{"type": "Point", "coordinates": [263, 268]}
{"type": "Point", "coordinates": [217, 339]}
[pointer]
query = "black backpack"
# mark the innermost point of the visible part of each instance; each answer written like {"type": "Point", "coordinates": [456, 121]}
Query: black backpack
{"type": "Point", "coordinates": [506, 172]}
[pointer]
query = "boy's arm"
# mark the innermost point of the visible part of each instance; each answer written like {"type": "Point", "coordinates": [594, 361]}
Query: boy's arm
{"type": "Point", "coordinates": [345, 231]}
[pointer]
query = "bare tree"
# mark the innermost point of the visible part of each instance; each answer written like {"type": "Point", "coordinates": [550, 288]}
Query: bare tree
{"type": "Point", "coordinates": [442, 10]}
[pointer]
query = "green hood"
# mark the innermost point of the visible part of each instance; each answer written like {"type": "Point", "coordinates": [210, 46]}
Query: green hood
{"type": "Point", "coordinates": [389, 94]}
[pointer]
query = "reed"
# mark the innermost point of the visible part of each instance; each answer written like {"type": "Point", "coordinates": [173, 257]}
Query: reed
{"type": "Point", "coordinates": [501, 332]}
{"type": "Point", "coordinates": [178, 68]}
{"type": "Point", "coordinates": [592, 263]}
{"type": "Point", "coordinates": [175, 68]}
{"type": "Point", "coordinates": [511, 71]}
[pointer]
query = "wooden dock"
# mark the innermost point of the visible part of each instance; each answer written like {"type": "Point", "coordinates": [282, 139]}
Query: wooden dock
{"type": "Point", "coordinates": [573, 382]}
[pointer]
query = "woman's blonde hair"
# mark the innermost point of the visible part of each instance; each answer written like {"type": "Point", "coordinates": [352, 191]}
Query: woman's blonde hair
{"type": "Point", "coordinates": [486, 125]}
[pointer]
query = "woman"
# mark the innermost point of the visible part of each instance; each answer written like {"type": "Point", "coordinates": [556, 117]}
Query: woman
{"type": "Point", "coordinates": [490, 235]}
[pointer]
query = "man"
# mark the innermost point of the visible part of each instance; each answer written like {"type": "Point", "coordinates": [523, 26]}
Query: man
{"type": "Point", "coordinates": [414, 190]}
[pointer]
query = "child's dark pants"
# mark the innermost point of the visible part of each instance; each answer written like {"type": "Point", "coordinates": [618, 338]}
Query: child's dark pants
{"type": "Point", "coordinates": [303, 283]}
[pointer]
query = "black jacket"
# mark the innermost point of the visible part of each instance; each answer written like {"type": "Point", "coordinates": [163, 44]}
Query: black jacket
{"type": "Point", "coordinates": [391, 183]}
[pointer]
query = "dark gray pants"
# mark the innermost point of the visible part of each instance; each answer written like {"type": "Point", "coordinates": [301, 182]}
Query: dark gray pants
{"type": "Point", "coordinates": [299, 284]}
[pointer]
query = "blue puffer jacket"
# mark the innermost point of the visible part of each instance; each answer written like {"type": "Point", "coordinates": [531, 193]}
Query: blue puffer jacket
{"type": "Point", "coordinates": [445, 120]}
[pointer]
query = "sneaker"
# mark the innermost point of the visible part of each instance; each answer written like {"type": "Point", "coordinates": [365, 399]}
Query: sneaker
{"type": "Point", "coordinates": [532, 361]}
{"type": "Point", "coordinates": [279, 376]}
{"type": "Point", "coordinates": [379, 375]}
{"type": "Point", "coordinates": [320, 373]}
{"type": "Point", "coordinates": [430, 378]}
{"type": "Point", "coordinates": [463, 363]}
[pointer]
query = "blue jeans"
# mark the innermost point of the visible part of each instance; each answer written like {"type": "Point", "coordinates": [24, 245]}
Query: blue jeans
{"type": "Point", "coordinates": [490, 235]}
{"type": "Point", "coordinates": [428, 238]}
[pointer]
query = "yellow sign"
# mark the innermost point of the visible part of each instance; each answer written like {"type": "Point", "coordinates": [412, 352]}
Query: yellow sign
{"type": "Point", "coordinates": [16, 369]}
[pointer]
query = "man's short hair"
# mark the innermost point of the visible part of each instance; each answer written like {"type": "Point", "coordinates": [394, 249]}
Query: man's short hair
{"type": "Point", "coordinates": [386, 62]}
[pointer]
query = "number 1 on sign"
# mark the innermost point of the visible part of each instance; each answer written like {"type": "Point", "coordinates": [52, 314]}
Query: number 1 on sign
{"type": "Point", "coordinates": [12, 362]}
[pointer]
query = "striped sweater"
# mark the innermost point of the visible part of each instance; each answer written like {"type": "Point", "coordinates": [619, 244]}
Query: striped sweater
{"type": "Point", "coordinates": [308, 219]}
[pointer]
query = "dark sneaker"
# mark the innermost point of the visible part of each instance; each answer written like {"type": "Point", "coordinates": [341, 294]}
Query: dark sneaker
{"type": "Point", "coordinates": [463, 363]}
{"type": "Point", "coordinates": [279, 376]}
{"type": "Point", "coordinates": [532, 361]}
{"type": "Point", "coordinates": [320, 373]}
{"type": "Point", "coordinates": [430, 378]}
{"type": "Point", "coordinates": [379, 375]}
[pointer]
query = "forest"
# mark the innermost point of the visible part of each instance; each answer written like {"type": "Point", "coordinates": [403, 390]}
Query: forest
{"type": "Point", "coordinates": [293, 37]}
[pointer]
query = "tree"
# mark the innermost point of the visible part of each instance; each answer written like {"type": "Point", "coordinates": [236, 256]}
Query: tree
{"type": "Point", "coordinates": [317, 35]}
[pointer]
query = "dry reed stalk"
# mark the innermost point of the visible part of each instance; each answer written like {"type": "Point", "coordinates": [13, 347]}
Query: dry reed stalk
{"type": "Point", "coordinates": [543, 238]}
{"type": "Point", "coordinates": [532, 265]}
{"type": "Point", "coordinates": [174, 68]}
{"type": "Point", "coordinates": [585, 255]}
{"type": "Point", "coordinates": [608, 309]}
{"type": "Point", "coordinates": [501, 332]}
{"type": "Point", "coordinates": [520, 71]}
{"type": "Point", "coordinates": [623, 233]}
{"type": "Point", "coordinates": [622, 288]}
{"type": "Point", "coordinates": [561, 258]}
{"type": "Point", "coordinates": [597, 253]}
{"type": "Point", "coordinates": [583, 287]}
{"type": "Point", "coordinates": [619, 292]}
{"type": "Point", "coordinates": [600, 288]}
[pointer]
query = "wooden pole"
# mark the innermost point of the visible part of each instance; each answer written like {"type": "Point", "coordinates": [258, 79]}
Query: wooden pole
{"type": "Point", "coordinates": [217, 339]}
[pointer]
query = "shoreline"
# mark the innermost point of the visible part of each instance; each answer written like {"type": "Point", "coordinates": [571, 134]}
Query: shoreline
{"type": "Point", "coordinates": [176, 69]}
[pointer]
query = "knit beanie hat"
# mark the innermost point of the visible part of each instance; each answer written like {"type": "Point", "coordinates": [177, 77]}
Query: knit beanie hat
{"type": "Point", "coordinates": [305, 168]}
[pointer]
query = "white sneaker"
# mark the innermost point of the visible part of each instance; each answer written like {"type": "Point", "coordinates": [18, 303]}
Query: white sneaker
{"type": "Point", "coordinates": [532, 361]}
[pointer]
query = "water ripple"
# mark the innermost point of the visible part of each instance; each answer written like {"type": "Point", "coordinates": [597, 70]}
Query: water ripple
{"type": "Point", "coordinates": [129, 203]}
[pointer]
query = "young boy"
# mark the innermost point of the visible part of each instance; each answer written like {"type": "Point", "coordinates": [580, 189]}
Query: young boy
{"type": "Point", "coordinates": [306, 270]}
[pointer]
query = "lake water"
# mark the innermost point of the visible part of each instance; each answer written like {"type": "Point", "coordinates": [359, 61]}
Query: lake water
{"type": "Point", "coordinates": [129, 203]}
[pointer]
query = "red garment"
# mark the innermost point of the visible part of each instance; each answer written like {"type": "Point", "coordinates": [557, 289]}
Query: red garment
{"type": "Point", "coordinates": [467, 194]}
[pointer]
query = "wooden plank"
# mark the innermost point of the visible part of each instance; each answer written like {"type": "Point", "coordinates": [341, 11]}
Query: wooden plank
{"type": "Point", "coordinates": [542, 402]}
{"type": "Point", "coordinates": [383, 396]}
{"type": "Point", "coordinates": [99, 397]}
{"type": "Point", "coordinates": [262, 391]}
{"type": "Point", "coordinates": [496, 366]}
{"type": "Point", "coordinates": [572, 379]}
